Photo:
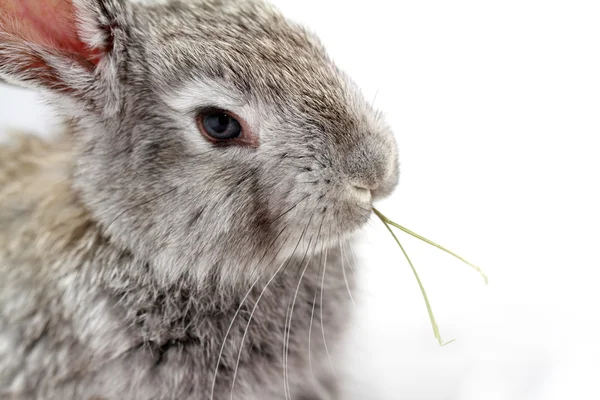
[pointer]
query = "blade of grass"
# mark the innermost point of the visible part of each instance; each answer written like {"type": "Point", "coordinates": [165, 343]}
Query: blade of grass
{"type": "Point", "coordinates": [388, 222]}
{"type": "Point", "coordinates": [434, 325]}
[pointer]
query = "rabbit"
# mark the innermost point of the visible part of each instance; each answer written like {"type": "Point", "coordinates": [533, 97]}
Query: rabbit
{"type": "Point", "coordinates": [184, 235]}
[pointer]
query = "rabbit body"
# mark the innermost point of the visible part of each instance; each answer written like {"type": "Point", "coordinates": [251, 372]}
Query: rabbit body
{"type": "Point", "coordinates": [141, 260]}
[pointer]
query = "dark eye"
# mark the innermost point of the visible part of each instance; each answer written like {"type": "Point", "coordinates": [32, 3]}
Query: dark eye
{"type": "Point", "coordinates": [219, 125]}
{"type": "Point", "coordinates": [223, 127]}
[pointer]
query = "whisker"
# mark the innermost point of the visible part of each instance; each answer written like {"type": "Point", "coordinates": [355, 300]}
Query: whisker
{"type": "Point", "coordinates": [291, 208]}
{"type": "Point", "coordinates": [256, 306]}
{"type": "Point", "coordinates": [289, 308]}
{"type": "Point", "coordinates": [268, 248]}
{"type": "Point", "coordinates": [322, 321]}
{"type": "Point", "coordinates": [287, 329]}
{"type": "Point", "coordinates": [212, 390]}
{"type": "Point", "coordinates": [289, 324]}
{"type": "Point", "coordinates": [344, 255]}
{"type": "Point", "coordinates": [322, 324]}
{"type": "Point", "coordinates": [316, 292]}
{"type": "Point", "coordinates": [312, 315]}
{"type": "Point", "coordinates": [354, 258]}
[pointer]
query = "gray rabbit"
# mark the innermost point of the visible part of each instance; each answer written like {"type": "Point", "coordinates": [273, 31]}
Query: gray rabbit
{"type": "Point", "coordinates": [184, 236]}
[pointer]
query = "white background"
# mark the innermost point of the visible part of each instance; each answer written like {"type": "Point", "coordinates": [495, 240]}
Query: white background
{"type": "Point", "coordinates": [496, 106]}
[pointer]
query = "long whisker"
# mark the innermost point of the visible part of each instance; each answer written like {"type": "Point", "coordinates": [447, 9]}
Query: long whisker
{"type": "Point", "coordinates": [289, 309]}
{"type": "Point", "coordinates": [312, 315]}
{"type": "Point", "coordinates": [344, 255]}
{"type": "Point", "coordinates": [248, 324]}
{"type": "Point", "coordinates": [258, 264]}
{"type": "Point", "coordinates": [256, 306]}
{"type": "Point", "coordinates": [322, 323]}
{"type": "Point", "coordinates": [287, 329]}
{"type": "Point", "coordinates": [291, 208]}
{"type": "Point", "coordinates": [310, 365]}
{"type": "Point", "coordinates": [289, 324]}
{"type": "Point", "coordinates": [212, 390]}
{"type": "Point", "coordinates": [353, 259]}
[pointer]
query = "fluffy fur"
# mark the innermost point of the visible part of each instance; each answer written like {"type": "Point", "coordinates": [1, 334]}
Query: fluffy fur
{"type": "Point", "coordinates": [140, 261]}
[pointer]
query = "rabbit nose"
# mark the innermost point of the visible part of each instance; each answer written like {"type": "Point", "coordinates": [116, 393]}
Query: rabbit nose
{"type": "Point", "coordinates": [371, 170]}
{"type": "Point", "coordinates": [366, 168]}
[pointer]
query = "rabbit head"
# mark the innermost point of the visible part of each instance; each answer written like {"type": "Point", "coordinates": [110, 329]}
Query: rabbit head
{"type": "Point", "coordinates": [214, 138]}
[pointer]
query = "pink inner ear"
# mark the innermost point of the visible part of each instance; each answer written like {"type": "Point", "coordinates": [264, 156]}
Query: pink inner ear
{"type": "Point", "coordinates": [49, 23]}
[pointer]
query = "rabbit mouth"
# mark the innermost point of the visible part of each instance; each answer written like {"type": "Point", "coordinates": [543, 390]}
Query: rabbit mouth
{"type": "Point", "coordinates": [331, 221]}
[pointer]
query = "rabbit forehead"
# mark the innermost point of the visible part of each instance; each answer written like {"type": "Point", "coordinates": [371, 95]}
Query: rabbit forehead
{"type": "Point", "coordinates": [247, 44]}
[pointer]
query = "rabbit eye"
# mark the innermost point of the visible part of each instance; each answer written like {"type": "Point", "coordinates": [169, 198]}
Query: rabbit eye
{"type": "Point", "coordinates": [219, 125]}
{"type": "Point", "coordinates": [223, 127]}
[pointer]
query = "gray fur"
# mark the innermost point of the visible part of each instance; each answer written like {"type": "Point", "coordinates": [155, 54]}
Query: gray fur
{"type": "Point", "coordinates": [132, 250]}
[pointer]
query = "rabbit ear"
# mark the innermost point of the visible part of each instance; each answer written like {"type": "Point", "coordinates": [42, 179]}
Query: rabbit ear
{"type": "Point", "coordinates": [65, 46]}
